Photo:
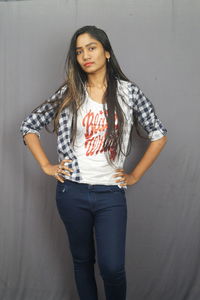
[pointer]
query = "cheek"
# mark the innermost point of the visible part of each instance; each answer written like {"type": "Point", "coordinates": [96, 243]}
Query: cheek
{"type": "Point", "coordinates": [101, 59]}
{"type": "Point", "coordinates": [79, 63]}
{"type": "Point", "coordinates": [78, 60]}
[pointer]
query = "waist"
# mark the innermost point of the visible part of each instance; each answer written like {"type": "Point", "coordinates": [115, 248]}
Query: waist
{"type": "Point", "coordinates": [111, 187]}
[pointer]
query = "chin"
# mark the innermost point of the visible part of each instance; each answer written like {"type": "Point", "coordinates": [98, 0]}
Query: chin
{"type": "Point", "coordinates": [91, 71]}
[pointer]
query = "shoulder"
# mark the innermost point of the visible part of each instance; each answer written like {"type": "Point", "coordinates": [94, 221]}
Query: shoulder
{"type": "Point", "coordinates": [58, 94]}
{"type": "Point", "coordinates": [128, 86]}
{"type": "Point", "coordinates": [128, 90]}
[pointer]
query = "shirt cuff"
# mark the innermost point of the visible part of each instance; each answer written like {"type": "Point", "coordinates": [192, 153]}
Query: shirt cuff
{"type": "Point", "coordinates": [155, 135]}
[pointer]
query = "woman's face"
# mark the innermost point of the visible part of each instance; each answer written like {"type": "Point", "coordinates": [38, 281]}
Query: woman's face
{"type": "Point", "coordinates": [88, 50]}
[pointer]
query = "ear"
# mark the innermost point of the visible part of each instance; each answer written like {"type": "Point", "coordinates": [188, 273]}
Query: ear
{"type": "Point", "coordinates": [107, 54]}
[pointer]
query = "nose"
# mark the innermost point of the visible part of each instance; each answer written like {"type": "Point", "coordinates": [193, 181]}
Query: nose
{"type": "Point", "coordinates": [85, 55]}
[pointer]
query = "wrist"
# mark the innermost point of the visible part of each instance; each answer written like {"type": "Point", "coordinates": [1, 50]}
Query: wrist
{"type": "Point", "coordinates": [43, 166]}
{"type": "Point", "coordinates": [135, 176]}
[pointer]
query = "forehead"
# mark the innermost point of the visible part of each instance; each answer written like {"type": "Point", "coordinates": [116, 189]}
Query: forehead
{"type": "Point", "coordinates": [84, 39]}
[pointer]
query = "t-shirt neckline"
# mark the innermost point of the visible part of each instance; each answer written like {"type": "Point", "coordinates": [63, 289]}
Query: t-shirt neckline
{"type": "Point", "coordinates": [101, 104]}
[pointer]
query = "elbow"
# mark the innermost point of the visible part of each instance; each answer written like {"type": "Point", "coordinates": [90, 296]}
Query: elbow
{"type": "Point", "coordinates": [25, 130]}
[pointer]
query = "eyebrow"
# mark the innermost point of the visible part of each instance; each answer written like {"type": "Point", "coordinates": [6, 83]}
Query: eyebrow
{"type": "Point", "coordinates": [86, 45]}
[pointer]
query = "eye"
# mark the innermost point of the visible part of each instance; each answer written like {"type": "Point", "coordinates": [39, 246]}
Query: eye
{"type": "Point", "coordinates": [79, 51]}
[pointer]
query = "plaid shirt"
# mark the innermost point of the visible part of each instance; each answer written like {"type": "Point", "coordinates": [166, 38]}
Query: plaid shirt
{"type": "Point", "coordinates": [136, 101]}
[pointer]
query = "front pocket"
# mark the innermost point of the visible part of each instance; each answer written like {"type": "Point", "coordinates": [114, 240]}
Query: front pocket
{"type": "Point", "coordinates": [62, 187]}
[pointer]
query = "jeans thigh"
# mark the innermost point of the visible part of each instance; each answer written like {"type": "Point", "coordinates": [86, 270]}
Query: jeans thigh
{"type": "Point", "coordinates": [73, 208]}
{"type": "Point", "coordinates": [110, 229]}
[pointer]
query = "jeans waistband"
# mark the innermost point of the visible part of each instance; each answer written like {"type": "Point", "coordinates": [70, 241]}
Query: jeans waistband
{"type": "Point", "coordinates": [111, 187]}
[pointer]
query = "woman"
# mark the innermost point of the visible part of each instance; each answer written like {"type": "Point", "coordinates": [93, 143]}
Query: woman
{"type": "Point", "coordinates": [94, 111]}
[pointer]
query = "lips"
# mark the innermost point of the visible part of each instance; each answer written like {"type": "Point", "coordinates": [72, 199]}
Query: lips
{"type": "Point", "coordinates": [88, 64]}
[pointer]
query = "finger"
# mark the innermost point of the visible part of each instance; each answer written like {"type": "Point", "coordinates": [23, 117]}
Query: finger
{"type": "Point", "coordinates": [122, 178]}
{"type": "Point", "coordinates": [123, 184]}
{"type": "Point", "coordinates": [119, 181]}
{"type": "Point", "coordinates": [118, 174]}
{"type": "Point", "coordinates": [65, 160]}
{"type": "Point", "coordinates": [119, 171]}
{"type": "Point", "coordinates": [59, 168]}
{"type": "Point", "coordinates": [59, 178]}
{"type": "Point", "coordinates": [66, 168]}
{"type": "Point", "coordinates": [64, 172]}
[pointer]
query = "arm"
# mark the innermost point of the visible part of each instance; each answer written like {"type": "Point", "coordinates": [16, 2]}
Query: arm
{"type": "Point", "coordinates": [156, 131]}
{"type": "Point", "coordinates": [30, 130]}
{"type": "Point", "coordinates": [42, 116]}
{"type": "Point", "coordinates": [33, 143]}
{"type": "Point", "coordinates": [150, 155]}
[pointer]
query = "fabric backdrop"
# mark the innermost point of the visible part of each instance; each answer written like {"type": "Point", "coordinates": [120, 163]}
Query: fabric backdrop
{"type": "Point", "coordinates": [157, 46]}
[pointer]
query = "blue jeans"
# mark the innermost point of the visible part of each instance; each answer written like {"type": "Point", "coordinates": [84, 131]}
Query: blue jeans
{"type": "Point", "coordinates": [82, 208]}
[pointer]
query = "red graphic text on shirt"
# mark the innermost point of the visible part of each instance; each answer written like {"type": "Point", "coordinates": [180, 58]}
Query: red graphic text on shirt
{"type": "Point", "coordinates": [95, 129]}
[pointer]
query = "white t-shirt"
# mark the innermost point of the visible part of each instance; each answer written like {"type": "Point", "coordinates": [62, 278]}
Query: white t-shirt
{"type": "Point", "coordinates": [91, 128]}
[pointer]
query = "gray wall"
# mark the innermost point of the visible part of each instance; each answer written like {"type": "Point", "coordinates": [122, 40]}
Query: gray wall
{"type": "Point", "coordinates": [157, 46]}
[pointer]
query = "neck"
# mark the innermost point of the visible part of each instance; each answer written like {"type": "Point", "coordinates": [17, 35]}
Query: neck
{"type": "Point", "coordinates": [97, 80]}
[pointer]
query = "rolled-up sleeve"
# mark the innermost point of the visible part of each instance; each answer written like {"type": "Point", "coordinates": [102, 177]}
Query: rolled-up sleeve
{"type": "Point", "coordinates": [41, 116]}
{"type": "Point", "coordinates": [146, 115]}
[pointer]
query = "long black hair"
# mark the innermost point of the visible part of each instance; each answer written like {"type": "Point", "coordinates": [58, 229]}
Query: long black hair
{"type": "Point", "coordinates": [74, 95]}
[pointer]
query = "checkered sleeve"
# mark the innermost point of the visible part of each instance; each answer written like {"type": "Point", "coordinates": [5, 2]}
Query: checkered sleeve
{"type": "Point", "coordinates": [41, 116]}
{"type": "Point", "coordinates": [146, 115]}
